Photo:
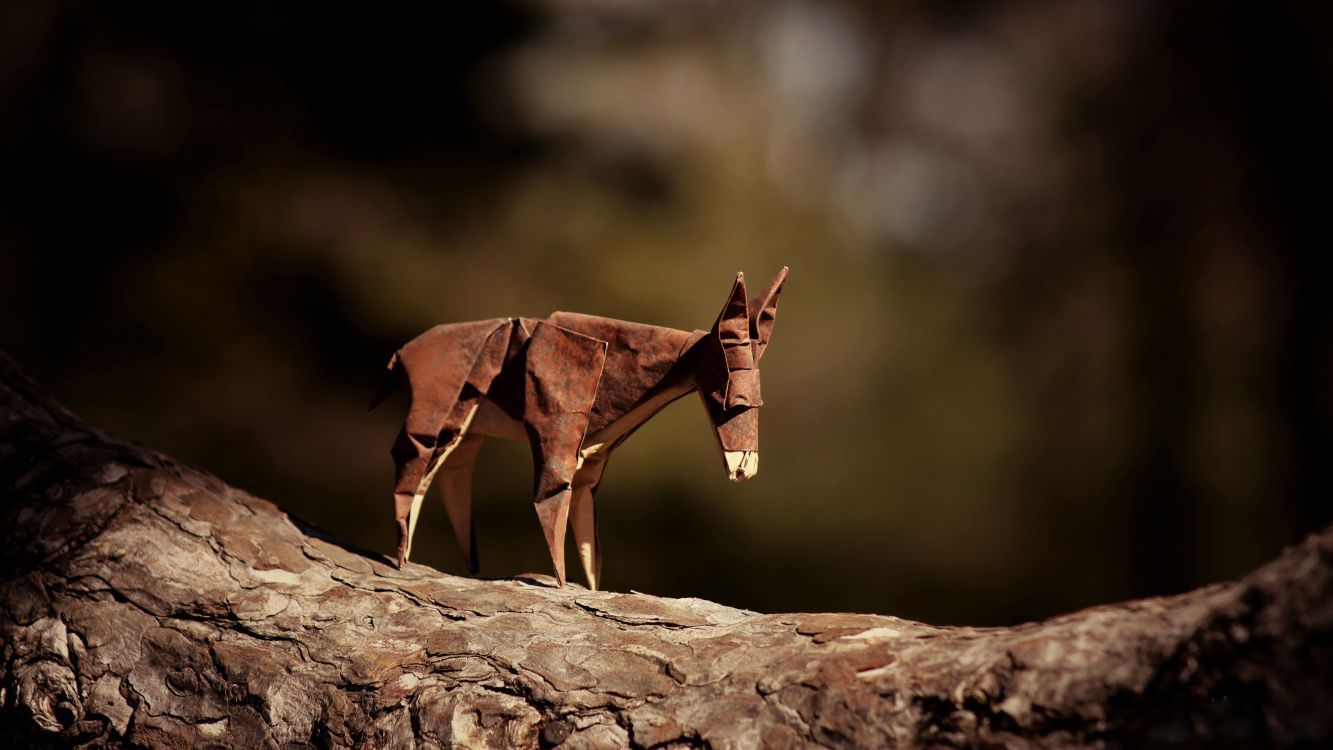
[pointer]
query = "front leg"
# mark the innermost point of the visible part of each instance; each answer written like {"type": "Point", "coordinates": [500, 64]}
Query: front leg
{"type": "Point", "coordinates": [583, 518]}
{"type": "Point", "coordinates": [563, 369]}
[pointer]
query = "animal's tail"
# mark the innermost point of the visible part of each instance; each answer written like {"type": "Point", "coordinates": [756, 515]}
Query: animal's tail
{"type": "Point", "coordinates": [393, 380]}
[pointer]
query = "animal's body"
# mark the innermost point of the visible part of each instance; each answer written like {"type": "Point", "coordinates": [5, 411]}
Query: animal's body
{"type": "Point", "coordinates": [575, 387]}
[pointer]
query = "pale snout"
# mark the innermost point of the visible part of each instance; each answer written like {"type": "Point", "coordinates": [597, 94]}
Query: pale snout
{"type": "Point", "coordinates": [741, 465]}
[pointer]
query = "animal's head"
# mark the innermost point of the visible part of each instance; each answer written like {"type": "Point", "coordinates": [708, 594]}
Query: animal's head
{"type": "Point", "coordinates": [729, 373]}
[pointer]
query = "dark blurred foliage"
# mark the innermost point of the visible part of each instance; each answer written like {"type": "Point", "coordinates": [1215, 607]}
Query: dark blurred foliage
{"type": "Point", "coordinates": [1058, 324]}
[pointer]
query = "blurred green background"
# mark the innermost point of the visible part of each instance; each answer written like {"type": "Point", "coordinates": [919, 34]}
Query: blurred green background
{"type": "Point", "coordinates": [1057, 330]}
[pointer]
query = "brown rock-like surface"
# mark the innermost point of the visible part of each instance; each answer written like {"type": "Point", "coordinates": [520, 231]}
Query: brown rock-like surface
{"type": "Point", "coordinates": [146, 603]}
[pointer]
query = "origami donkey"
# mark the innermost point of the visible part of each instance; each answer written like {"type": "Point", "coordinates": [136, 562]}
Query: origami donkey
{"type": "Point", "coordinates": [574, 386]}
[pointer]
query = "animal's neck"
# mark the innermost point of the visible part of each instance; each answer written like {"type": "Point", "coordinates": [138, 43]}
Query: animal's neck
{"type": "Point", "coordinates": [615, 432]}
{"type": "Point", "coordinates": [641, 361]}
{"type": "Point", "coordinates": [680, 381]}
{"type": "Point", "coordinates": [646, 369]}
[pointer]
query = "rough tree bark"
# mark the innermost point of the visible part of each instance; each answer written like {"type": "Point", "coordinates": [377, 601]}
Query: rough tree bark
{"type": "Point", "coordinates": [147, 603]}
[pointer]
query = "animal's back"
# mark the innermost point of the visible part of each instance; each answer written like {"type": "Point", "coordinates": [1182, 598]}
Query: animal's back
{"type": "Point", "coordinates": [640, 360]}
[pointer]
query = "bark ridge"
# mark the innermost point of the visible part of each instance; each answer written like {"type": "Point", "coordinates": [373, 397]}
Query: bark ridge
{"type": "Point", "coordinates": [145, 603]}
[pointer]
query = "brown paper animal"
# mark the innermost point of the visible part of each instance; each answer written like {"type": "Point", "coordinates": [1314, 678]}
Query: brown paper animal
{"type": "Point", "coordinates": [575, 387]}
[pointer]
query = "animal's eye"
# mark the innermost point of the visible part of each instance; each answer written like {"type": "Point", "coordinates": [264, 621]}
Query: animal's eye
{"type": "Point", "coordinates": [733, 332]}
{"type": "Point", "coordinates": [737, 350]}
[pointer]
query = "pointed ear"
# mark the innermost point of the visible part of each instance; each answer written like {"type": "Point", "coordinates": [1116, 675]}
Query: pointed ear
{"type": "Point", "coordinates": [764, 310]}
{"type": "Point", "coordinates": [734, 322]}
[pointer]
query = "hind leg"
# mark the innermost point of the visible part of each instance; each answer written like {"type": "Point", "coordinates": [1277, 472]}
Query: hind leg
{"type": "Point", "coordinates": [447, 368]}
{"type": "Point", "coordinates": [418, 460]}
{"type": "Point", "coordinates": [455, 483]}
{"type": "Point", "coordinates": [412, 456]}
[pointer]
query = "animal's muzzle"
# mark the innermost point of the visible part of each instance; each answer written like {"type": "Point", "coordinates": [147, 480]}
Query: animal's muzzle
{"type": "Point", "coordinates": [741, 465]}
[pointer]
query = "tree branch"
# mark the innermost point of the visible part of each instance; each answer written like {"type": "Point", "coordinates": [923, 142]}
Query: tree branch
{"type": "Point", "coordinates": [144, 602]}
